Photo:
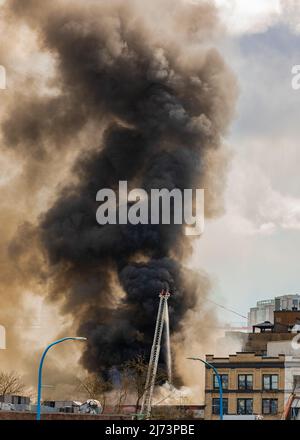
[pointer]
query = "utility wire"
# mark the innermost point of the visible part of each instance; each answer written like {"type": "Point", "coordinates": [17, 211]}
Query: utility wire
{"type": "Point", "coordinates": [226, 308]}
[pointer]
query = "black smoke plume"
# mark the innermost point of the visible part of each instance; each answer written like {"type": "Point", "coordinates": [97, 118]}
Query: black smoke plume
{"type": "Point", "coordinates": [161, 100]}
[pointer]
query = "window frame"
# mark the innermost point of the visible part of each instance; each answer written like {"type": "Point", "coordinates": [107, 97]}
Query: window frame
{"type": "Point", "coordinates": [245, 400]}
{"type": "Point", "coordinates": [270, 412]}
{"type": "Point", "coordinates": [216, 384]}
{"type": "Point", "coordinates": [214, 406]}
{"type": "Point", "coordinates": [247, 387]}
{"type": "Point", "coordinates": [270, 387]}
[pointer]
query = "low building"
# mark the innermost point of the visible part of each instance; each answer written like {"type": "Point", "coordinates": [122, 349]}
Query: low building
{"type": "Point", "coordinates": [252, 385]}
{"type": "Point", "coordinates": [263, 379]}
{"type": "Point", "coordinates": [14, 402]}
{"type": "Point", "coordinates": [70, 406]}
{"type": "Point", "coordinates": [286, 325]}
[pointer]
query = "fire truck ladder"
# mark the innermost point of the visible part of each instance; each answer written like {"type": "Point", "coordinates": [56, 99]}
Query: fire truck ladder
{"type": "Point", "coordinates": [162, 318]}
{"type": "Point", "coordinates": [293, 398]}
{"type": "Point", "coordinates": [288, 406]}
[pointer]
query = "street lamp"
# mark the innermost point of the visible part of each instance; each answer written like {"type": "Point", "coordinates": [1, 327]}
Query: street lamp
{"type": "Point", "coordinates": [219, 381]}
{"type": "Point", "coordinates": [38, 414]}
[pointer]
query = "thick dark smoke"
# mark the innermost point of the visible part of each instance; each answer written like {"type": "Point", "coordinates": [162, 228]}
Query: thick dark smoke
{"type": "Point", "coordinates": [164, 108]}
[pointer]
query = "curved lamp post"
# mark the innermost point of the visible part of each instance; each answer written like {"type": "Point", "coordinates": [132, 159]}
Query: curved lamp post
{"type": "Point", "coordinates": [208, 365]}
{"type": "Point", "coordinates": [38, 415]}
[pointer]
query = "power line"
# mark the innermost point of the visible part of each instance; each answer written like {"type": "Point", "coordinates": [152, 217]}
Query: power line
{"type": "Point", "coordinates": [226, 308]}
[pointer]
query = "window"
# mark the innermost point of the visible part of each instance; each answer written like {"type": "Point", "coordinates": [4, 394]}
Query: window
{"type": "Point", "coordinates": [269, 406]}
{"type": "Point", "coordinates": [245, 382]}
{"type": "Point", "coordinates": [244, 406]}
{"type": "Point", "coordinates": [224, 380]}
{"type": "Point", "coordinates": [216, 406]}
{"type": "Point", "coordinates": [270, 381]}
{"type": "Point", "coordinates": [296, 380]}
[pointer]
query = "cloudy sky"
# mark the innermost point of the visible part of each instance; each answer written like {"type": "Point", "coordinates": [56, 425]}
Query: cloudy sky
{"type": "Point", "coordinates": [253, 251]}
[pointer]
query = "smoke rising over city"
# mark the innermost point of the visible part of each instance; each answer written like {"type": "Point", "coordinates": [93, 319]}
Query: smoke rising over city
{"type": "Point", "coordinates": [136, 93]}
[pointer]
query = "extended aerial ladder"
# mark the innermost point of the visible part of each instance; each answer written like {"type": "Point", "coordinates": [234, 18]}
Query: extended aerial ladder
{"type": "Point", "coordinates": [288, 406]}
{"type": "Point", "coordinates": [291, 408]}
{"type": "Point", "coordinates": [161, 322]}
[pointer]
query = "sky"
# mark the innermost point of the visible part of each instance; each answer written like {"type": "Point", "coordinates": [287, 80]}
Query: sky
{"type": "Point", "coordinates": [252, 252]}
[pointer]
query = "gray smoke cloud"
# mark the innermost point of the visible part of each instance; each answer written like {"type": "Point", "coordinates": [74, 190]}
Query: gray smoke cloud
{"type": "Point", "coordinates": [159, 100]}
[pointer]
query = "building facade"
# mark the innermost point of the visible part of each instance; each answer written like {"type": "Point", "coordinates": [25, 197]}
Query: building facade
{"type": "Point", "coordinates": [287, 302]}
{"type": "Point", "coordinates": [63, 405]}
{"type": "Point", "coordinates": [262, 312]}
{"type": "Point", "coordinates": [286, 325]}
{"type": "Point", "coordinates": [252, 385]}
{"type": "Point", "coordinates": [13, 402]}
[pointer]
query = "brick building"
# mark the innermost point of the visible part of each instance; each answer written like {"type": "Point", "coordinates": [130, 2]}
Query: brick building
{"type": "Point", "coordinates": [252, 384]}
{"type": "Point", "coordinates": [286, 325]}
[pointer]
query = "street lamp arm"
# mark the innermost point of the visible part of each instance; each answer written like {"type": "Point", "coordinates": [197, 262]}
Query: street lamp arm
{"type": "Point", "coordinates": [208, 365]}
{"type": "Point", "coordinates": [73, 338]}
{"type": "Point", "coordinates": [61, 340]}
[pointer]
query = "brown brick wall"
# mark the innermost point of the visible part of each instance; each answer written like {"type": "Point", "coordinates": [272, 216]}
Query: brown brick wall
{"type": "Point", "coordinates": [257, 394]}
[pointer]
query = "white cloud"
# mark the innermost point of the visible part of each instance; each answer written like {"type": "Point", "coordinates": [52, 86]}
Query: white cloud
{"type": "Point", "coordinates": [244, 16]}
{"type": "Point", "coordinates": [291, 13]}
{"type": "Point", "coordinates": [254, 16]}
{"type": "Point", "coordinates": [254, 206]}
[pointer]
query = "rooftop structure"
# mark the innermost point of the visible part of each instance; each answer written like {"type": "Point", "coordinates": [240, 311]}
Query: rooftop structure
{"type": "Point", "coordinates": [264, 309]}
